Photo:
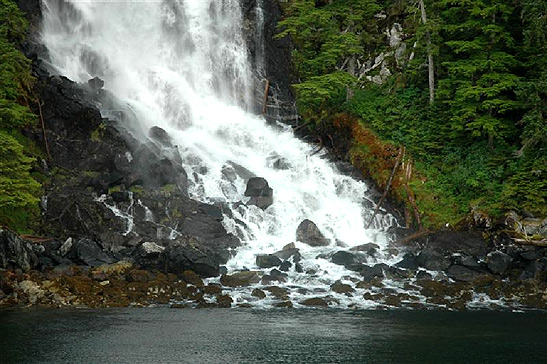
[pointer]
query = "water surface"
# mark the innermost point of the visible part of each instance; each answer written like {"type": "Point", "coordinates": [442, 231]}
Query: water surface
{"type": "Point", "coordinates": [164, 335]}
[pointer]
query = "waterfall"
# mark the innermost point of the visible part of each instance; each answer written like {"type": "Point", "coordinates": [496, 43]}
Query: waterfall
{"type": "Point", "coordinates": [183, 65]}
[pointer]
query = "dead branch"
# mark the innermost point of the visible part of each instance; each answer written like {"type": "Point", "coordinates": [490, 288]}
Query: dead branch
{"type": "Point", "coordinates": [39, 102]}
{"type": "Point", "coordinates": [390, 180]}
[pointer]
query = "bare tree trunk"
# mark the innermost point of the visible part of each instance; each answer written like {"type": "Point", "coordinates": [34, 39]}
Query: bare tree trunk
{"type": "Point", "coordinates": [352, 71]}
{"type": "Point", "coordinates": [430, 64]}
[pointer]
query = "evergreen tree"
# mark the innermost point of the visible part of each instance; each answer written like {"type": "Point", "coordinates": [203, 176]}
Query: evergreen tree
{"type": "Point", "coordinates": [329, 40]}
{"type": "Point", "coordinates": [478, 62]}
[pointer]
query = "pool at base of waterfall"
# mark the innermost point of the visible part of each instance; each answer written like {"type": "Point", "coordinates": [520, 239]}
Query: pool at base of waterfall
{"type": "Point", "coordinates": [166, 335]}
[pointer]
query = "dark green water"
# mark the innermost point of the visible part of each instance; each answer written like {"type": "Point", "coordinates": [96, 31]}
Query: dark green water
{"type": "Point", "coordinates": [164, 335]}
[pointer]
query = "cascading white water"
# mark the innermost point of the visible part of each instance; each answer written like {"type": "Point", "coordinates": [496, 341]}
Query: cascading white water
{"type": "Point", "coordinates": [183, 65]}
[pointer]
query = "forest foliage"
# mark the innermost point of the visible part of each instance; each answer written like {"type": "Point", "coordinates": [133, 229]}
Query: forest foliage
{"type": "Point", "coordinates": [478, 143]}
{"type": "Point", "coordinates": [18, 188]}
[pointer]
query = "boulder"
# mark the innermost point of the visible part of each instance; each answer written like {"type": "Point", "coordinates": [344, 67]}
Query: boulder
{"type": "Point", "coordinates": [288, 251]}
{"type": "Point", "coordinates": [192, 253]}
{"type": "Point", "coordinates": [260, 192]}
{"type": "Point", "coordinates": [224, 301]}
{"type": "Point", "coordinates": [341, 288]}
{"type": "Point", "coordinates": [369, 273]}
{"type": "Point", "coordinates": [433, 260]}
{"type": "Point", "coordinates": [369, 248]}
{"type": "Point", "coordinates": [285, 266]}
{"type": "Point", "coordinates": [315, 302]}
{"type": "Point", "coordinates": [15, 252]}
{"type": "Point", "coordinates": [409, 262]}
{"type": "Point", "coordinates": [88, 252]}
{"type": "Point", "coordinates": [308, 233]}
{"type": "Point", "coordinates": [343, 258]}
{"type": "Point", "coordinates": [95, 83]}
{"type": "Point", "coordinates": [267, 261]}
{"type": "Point", "coordinates": [278, 292]}
{"type": "Point", "coordinates": [498, 262]}
{"type": "Point", "coordinates": [160, 135]}
{"type": "Point", "coordinates": [258, 293]}
{"type": "Point", "coordinates": [240, 279]}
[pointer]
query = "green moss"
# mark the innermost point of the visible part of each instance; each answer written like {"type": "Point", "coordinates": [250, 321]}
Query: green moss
{"type": "Point", "coordinates": [97, 134]}
{"type": "Point", "coordinates": [118, 188]}
{"type": "Point", "coordinates": [169, 188]}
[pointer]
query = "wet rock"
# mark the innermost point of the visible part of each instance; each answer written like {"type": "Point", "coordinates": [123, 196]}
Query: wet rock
{"type": "Point", "coordinates": [315, 302]}
{"type": "Point", "coordinates": [267, 261]}
{"type": "Point", "coordinates": [274, 276]}
{"type": "Point", "coordinates": [278, 292]}
{"type": "Point", "coordinates": [285, 266]}
{"type": "Point", "coordinates": [464, 274]}
{"type": "Point", "coordinates": [240, 279]}
{"type": "Point", "coordinates": [423, 275]}
{"type": "Point", "coordinates": [88, 252]}
{"type": "Point", "coordinates": [161, 136]}
{"type": "Point", "coordinates": [468, 261]}
{"type": "Point", "coordinates": [224, 301]}
{"type": "Point", "coordinates": [118, 268]}
{"type": "Point", "coordinates": [369, 273]}
{"type": "Point", "coordinates": [341, 288]}
{"type": "Point", "coordinates": [121, 196]}
{"type": "Point", "coordinates": [139, 275]}
{"type": "Point", "coordinates": [409, 262]}
{"type": "Point", "coordinates": [95, 83]}
{"type": "Point", "coordinates": [233, 170]}
{"type": "Point", "coordinates": [284, 304]}
{"type": "Point", "coordinates": [212, 289]}
{"type": "Point", "coordinates": [369, 248]}
{"type": "Point", "coordinates": [260, 192]}
{"type": "Point", "coordinates": [192, 278]}
{"type": "Point", "coordinates": [258, 293]}
{"type": "Point", "coordinates": [308, 233]}
{"type": "Point", "coordinates": [343, 258]}
{"type": "Point", "coordinates": [433, 260]}
{"type": "Point", "coordinates": [15, 252]}
{"type": "Point", "coordinates": [498, 262]}
{"type": "Point", "coordinates": [289, 251]}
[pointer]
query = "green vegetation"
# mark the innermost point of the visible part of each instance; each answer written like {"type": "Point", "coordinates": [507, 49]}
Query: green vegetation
{"type": "Point", "coordinates": [19, 191]}
{"type": "Point", "coordinates": [462, 87]}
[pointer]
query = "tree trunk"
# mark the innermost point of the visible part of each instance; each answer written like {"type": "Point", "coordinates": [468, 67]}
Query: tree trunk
{"type": "Point", "coordinates": [352, 71]}
{"type": "Point", "coordinates": [430, 64]}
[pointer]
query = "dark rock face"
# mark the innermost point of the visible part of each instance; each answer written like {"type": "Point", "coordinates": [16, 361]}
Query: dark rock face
{"type": "Point", "coordinates": [113, 195]}
{"type": "Point", "coordinates": [15, 252]}
{"type": "Point", "coordinates": [275, 55]}
{"type": "Point", "coordinates": [260, 192]}
{"type": "Point", "coordinates": [308, 233]}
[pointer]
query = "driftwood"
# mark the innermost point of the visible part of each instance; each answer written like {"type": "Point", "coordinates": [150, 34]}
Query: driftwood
{"type": "Point", "coordinates": [36, 239]}
{"type": "Point", "coordinates": [540, 243]}
{"type": "Point", "coordinates": [412, 237]}
{"type": "Point", "coordinates": [303, 125]}
{"type": "Point", "coordinates": [395, 167]}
